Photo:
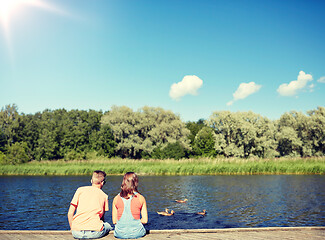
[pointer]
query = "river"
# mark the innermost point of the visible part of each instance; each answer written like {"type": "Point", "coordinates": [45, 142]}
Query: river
{"type": "Point", "coordinates": [42, 202]}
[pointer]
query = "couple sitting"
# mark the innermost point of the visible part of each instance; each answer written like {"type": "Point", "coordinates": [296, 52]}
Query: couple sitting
{"type": "Point", "coordinates": [90, 204]}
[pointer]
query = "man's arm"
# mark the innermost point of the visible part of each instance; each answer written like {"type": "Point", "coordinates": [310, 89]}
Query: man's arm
{"type": "Point", "coordinates": [106, 208]}
{"type": "Point", "coordinates": [71, 211]}
{"type": "Point", "coordinates": [106, 205]}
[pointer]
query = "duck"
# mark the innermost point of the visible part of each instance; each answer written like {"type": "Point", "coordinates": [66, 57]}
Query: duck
{"type": "Point", "coordinates": [202, 213]}
{"type": "Point", "coordinates": [181, 201]}
{"type": "Point", "coordinates": [166, 213]}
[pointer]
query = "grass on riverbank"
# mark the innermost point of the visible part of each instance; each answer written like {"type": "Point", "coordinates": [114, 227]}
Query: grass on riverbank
{"type": "Point", "coordinates": [171, 167]}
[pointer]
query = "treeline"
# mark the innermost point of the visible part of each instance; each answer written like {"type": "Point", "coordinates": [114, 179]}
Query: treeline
{"type": "Point", "coordinates": [156, 133]}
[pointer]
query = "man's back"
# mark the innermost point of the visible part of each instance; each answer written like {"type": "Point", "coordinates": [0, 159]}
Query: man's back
{"type": "Point", "coordinates": [91, 203]}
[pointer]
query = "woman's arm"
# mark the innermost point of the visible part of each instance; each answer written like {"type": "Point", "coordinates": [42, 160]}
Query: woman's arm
{"type": "Point", "coordinates": [114, 211]}
{"type": "Point", "coordinates": [144, 211]}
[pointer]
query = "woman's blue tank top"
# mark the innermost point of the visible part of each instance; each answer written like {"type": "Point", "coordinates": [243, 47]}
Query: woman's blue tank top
{"type": "Point", "coordinates": [128, 227]}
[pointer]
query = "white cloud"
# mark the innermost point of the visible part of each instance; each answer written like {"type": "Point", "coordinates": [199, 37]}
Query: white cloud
{"type": "Point", "coordinates": [189, 85]}
{"type": "Point", "coordinates": [230, 103]}
{"type": "Point", "coordinates": [293, 87]}
{"type": "Point", "coordinates": [244, 90]}
{"type": "Point", "coordinates": [321, 80]}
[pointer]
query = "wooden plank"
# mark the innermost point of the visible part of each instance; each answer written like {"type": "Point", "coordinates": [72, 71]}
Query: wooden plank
{"type": "Point", "coordinates": [294, 233]}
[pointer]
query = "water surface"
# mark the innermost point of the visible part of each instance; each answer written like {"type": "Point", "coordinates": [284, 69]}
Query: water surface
{"type": "Point", "coordinates": [231, 201]}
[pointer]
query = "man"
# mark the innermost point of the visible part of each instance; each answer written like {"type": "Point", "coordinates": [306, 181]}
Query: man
{"type": "Point", "coordinates": [90, 204]}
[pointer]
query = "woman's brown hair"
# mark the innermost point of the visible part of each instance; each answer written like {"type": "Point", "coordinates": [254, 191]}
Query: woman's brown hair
{"type": "Point", "coordinates": [129, 184]}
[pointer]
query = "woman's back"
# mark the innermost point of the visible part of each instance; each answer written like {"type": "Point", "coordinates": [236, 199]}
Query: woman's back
{"type": "Point", "coordinates": [129, 210]}
{"type": "Point", "coordinates": [136, 204]}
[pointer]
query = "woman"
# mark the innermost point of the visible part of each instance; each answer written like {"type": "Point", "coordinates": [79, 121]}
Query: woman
{"type": "Point", "coordinates": [129, 211]}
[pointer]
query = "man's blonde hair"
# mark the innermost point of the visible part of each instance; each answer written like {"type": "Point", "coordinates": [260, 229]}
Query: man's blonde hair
{"type": "Point", "coordinates": [98, 176]}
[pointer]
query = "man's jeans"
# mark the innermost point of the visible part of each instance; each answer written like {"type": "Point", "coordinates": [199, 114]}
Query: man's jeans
{"type": "Point", "coordinates": [92, 234]}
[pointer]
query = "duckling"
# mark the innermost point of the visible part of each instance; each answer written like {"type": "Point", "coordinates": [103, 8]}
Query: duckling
{"type": "Point", "coordinates": [202, 213]}
{"type": "Point", "coordinates": [181, 201]}
{"type": "Point", "coordinates": [166, 213]}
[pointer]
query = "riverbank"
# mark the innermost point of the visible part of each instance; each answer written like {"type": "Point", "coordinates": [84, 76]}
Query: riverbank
{"type": "Point", "coordinates": [222, 166]}
{"type": "Point", "coordinates": [296, 233]}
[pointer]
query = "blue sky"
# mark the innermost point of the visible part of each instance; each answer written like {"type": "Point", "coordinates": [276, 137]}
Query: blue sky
{"type": "Point", "coordinates": [190, 57]}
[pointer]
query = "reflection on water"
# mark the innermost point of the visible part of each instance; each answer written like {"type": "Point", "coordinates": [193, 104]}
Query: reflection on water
{"type": "Point", "coordinates": [230, 201]}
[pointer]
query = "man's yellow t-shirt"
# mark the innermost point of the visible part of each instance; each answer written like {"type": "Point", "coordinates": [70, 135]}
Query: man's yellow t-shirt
{"type": "Point", "coordinates": [91, 203]}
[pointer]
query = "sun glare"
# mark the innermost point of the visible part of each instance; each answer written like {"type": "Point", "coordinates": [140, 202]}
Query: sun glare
{"type": "Point", "coordinates": [9, 9]}
{"type": "Point", "coordinates": [8, 6]}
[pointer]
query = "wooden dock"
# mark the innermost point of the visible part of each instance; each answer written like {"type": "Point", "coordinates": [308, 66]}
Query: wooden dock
{"type": "Point", "coordinates": [294, 233]}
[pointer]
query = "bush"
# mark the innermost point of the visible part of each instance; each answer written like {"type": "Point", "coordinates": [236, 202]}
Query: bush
{"type": "Point", "coordinates": [18, 153]}
{"type": "Point", "coordinates": [172, 150]}
{"type": "Point", "coordinates": [2, 158]}
{"type": "Point", "coordinates": [103, 141]}
{"type": "Point", "coordinates": [74, 155]}
{"type": "Point", "coordinates": [204, 142]}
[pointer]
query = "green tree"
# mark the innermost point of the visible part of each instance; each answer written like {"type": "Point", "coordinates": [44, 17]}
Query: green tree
{"type": "Point", "coordinates": [3, 141]}
{"type": "Point", "coordinates": [245, 134]}
{"type": "Point", "coordinates": [220, 144]}
{"type": "Point", "coordinates": [75, 131]}
{"type": "Point", "coordinates": [316, 133]}
{"type": "Point", "coordinates": [2, 158]}
{"type": "Point", "coordinates": [291, 134]}
{"type": "Point", "coordinates": [194, 128]}
{"type": "Point", "coordinates": [204, 142]}
{"type": "Point", "coordinates": [302, 135]}
{"type": "Point", "coordinates": [9, 123]}
{"type": "Point", "coordinates": [289, 143]}
{"type": "Point", "coordinates": [28, 131]}
{"type": "Point", "coordinates": [139, 133]}
{"type": "Point", "coordinates": [103, 141]}
{"type": "Point", "coordinates": [67, 134]}
{"type": "Point", "coordinates": [50, 135]}
{"type": "Point", "coordinates": [18, 153]}
{"type": "Point", "coordinates": [171, 151]}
